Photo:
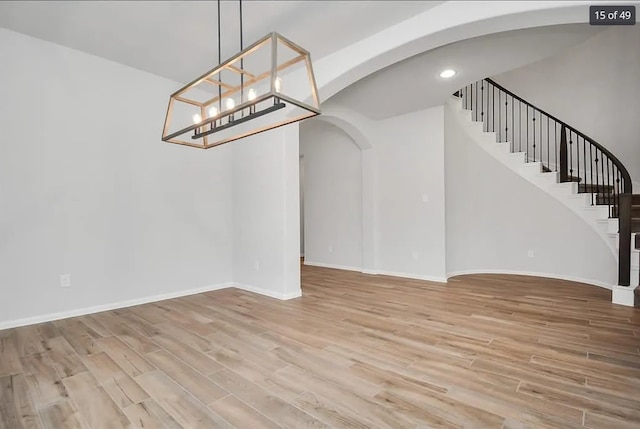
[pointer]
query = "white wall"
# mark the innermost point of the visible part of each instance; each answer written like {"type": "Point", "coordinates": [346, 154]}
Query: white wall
{"type": "Point", "coordinates": [88, 188]}
{"type": "Point", "coordinates": [301, 177]}
{"type": "Point", "coordinates": [266, 213]}
{"type": "Point", "coordinates": [594, 87]}
{"type": "Point", "coordinates": [494, 217]}
{"type": "Point", "coordinates": [333, 196]}
{"type": "Point", "coordinates": [406, 159]}
{"type": "Point", "coordinates": [410, 194]}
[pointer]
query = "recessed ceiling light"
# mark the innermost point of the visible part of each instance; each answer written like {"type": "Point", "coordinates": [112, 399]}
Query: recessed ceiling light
{"type": "Point", "coordinates": [447, 73]}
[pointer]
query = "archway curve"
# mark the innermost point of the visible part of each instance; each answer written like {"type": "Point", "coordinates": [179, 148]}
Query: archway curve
{"type": "Point", "coordinates": [347, 127]}
{"type": "Point", "coordinates": [347, 123]}
{"type": "Point", "coordinates": [446, 23]}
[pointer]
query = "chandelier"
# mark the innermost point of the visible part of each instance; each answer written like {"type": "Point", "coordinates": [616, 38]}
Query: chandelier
{"type": "Point", "coordinates": [266, 85]}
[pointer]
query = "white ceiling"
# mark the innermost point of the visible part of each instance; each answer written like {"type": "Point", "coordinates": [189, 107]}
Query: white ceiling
{"type": "Point", "coordinates": [415, 84]}
{"type": "Point", "coordinates": [178, 39]}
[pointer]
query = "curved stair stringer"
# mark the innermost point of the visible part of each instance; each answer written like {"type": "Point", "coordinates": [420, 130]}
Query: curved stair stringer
{"type": "Point", "coordinates": [597, 217]}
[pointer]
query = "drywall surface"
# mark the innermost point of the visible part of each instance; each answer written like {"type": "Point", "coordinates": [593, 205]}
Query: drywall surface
{"type": "Point", "coordinates": [390, 186]}
{"type": "Point", "coordinates": [266, 213]}
{"type": "Point", "coordinates": [88, 189]}
{"type": "Point", "coordinates": [333, 196]}
{"type": "Point", "coordinates": [497, 221]}
{"type": "Point", "coordinates": [410, 194]}
{"type": "Point", "coordinates": [593, 87]}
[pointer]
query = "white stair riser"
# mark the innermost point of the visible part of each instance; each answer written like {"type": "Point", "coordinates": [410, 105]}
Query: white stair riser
{"type": "Point", "coordinates": [598, 212]}
{"type": "Point", "coordinates": [608, 225]}
{"type": "Point", "coordinates": [567, 193]}
{"type": "Point", "coordinates": [531, 168]}
{"type": "Point", "coordinates": [551, 178]}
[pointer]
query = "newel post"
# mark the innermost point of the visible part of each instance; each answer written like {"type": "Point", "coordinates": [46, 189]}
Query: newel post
{"type": "Point", "coordinates": [624, 259]}
{"type": "Point", "coordinates": [564, 167]}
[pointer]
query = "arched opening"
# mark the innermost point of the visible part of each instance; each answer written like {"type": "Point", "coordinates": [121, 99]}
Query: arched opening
{"type": "Point", "coordinates": [331, 196]}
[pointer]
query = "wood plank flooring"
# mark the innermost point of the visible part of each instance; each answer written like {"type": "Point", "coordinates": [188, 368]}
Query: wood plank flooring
{"type": "Point", "coordinates": [356, 351]}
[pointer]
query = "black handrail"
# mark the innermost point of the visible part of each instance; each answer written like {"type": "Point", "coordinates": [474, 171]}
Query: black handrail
{"type": "Point", "coordinates": [611, 184]}
{"type": "Point", "coordinates": [612, 157]}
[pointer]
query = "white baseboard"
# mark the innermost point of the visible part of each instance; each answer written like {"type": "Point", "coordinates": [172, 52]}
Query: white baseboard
{"type": "Point", "coordinates": [146, 300]}
{"type": "Point", "coordinates": [378, 272]}
{"type": "Point", "coordinates": [265, 292]}
{"type": "Point", "coordinates": [106, 307]}
{"type": "Point", "coordinates": [533, 274]}
{"type": "Point", "coordinates": [435, 279]}
{"type": "Point", "coordinates": [334, 266]}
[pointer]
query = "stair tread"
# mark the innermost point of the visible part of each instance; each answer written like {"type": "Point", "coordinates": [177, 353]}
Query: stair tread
{"type": "Point", "coordinates": [635, 211]}
{"type": "Point", "coordinates": [546, 169]}
{"type": "Point", "coordinates": [590, 188]}
{"type": "Point", "coordinates": [601, 195]}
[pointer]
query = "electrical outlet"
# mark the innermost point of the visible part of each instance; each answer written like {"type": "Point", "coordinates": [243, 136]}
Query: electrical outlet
{"type": "Point", "coordinates": [415, 255]}
{"type": "Point", "coordinates": [256, 264]}
{"type": "Point", "coordinates": [330, 249]}
{"type": "Point", "coordinates": [531, 254]}
{"type": "Point", "coordinates": [65, 280]}
{"type": "Point", "coordinates": [425, 198]}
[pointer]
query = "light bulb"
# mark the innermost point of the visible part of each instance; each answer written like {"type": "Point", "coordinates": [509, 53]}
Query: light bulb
{"type": "Point", "coordinates": [197, 118]}
{"type": "Point", "coordinates": [252, 94]}
{"type": "Point", "coordinates": [278, 84]}
{"type": "Point", "coordinates": [230, 103]}
{"type": "Point", "coordinates": [213, 111]}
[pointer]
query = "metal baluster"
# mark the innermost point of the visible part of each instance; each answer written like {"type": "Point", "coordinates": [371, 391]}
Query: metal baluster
{"type": "Point", "coordinates": [617, 199]}
{"type": "Point", "coordinates": [464, 97]}
{"type": "Point", "coordinates": [482, 104]}
{"type": "Point", "coordinates": [597, 179]}
{"type": "Point", "coordinates": [527, 136]}
{"type": "Point", "coordinates": [570, 156]}
{"type": "Point", "coordinates": [476, 101]}
{"type": "Point", "coordinates": [533, 128]}
{"type": "Point", "coordinates": [471, 102]}
{"type": "Point", "coordinates": [602, 168]}
{"type": "Point", "coordinates": [591, 164]}
{"type": "Point", "coordinates": [555, 142]}
{"type": "Point", "coordinates": [541, 145]}
{"type": "Point", "coordinates": [608, 193]}
{"type": "Point", "coordinates": [499, 114]}
{"type": "Point", "coordinates": [506, 120]}
{"type": "Point", "coordinates": [513, 141]}
{"type": "Point", "coordinates": [520, 126]}
{"type": "Point", "coordinates": [584, 155]}
{"type": "Point", "coordinates": [488, 104]}
{"type": "Point", "coordinates": [578, 152]}
{"type": "Point", "coordinates": [548, 151]}
{"type": "Point", "coordinates": [493, 110]}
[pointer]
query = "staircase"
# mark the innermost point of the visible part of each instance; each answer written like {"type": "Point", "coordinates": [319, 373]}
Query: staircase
{"type": "Point", "coordinates": [564, 162]}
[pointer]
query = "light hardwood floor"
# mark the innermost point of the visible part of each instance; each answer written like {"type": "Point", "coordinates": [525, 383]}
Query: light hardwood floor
{"type": "Point", "coordinates": [355, 351]}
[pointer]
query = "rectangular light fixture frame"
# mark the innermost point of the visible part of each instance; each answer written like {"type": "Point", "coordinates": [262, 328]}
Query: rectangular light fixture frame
{"type": "Point", "coordinates": [199, 135]}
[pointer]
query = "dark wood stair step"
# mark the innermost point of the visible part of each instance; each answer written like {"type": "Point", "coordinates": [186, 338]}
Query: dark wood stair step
{"type": "Point", "coordinates": [546, 169]}
{"type": "Point", "coordinates": [605, 199]}
{"type": "Point", "coordinates": [635, 211]}
{"type": "Point", "coordinates": [635, 225]}
{"type": "Point", "coordinates": [638, 241]}
{"type": "Point", "coordinates": [594, 189]}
